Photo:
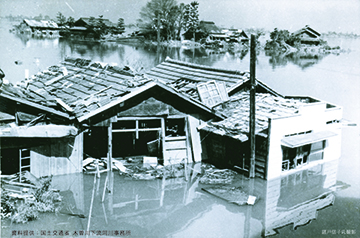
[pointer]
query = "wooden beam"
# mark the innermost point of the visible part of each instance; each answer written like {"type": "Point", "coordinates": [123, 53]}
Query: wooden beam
{"type": "Point", "coordinates": [64, 105]}
{"type": "Point", "coordinates": [252, 120]}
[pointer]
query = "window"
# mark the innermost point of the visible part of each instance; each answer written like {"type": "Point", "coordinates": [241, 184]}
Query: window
{"type": "Point", "coordinates": [317, 151]}
{"type": "Point", "coordinates": [212, 93]}
{"type": "Point", "coordinates": [296, 157]}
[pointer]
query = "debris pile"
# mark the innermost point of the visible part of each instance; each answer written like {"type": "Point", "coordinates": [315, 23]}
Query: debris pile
{"type": "Point", "coordinates": [135, 168]}
{"type": "Point", "coordinates": [212, 175]}
{"type": "Point", "coordinates": [23, 201]}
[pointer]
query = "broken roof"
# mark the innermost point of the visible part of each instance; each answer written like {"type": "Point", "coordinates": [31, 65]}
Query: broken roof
{"type": "Point", "coordinates": [185, 77]}
{"type": "Point", "coordinates": [83, 89]}
{"type": "Point", "coordinates": [237, 110]}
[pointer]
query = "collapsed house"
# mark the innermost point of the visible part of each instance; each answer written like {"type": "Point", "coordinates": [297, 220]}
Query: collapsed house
{"type": "Point", "coordinates": [177, 112]}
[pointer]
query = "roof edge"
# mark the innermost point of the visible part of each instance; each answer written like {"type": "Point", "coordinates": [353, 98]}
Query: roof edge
{"type": "Point", "coordinates": [199, 66]}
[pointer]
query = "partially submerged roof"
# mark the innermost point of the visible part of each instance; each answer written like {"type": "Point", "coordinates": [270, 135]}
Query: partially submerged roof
{"type": "Point", "coordinates": [237, 110]}
{"type": "Point", "coordinates": [41, 24]}
{"type": "Point", "coordinates": [307, 29]}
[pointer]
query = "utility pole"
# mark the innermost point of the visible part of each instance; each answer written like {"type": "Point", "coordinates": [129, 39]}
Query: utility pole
{"type": "Point", "coordinates": [252, 120]}
{"type": "Point", "coordinates": [158, 27]}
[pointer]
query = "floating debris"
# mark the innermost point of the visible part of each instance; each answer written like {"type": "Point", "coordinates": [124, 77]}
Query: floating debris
{"type": "Point", "coordinates": [23, 201]}
{"type": "Point", "coordinates": [235, 195]}
{"type": "Point", "coordinates": [212, 175]}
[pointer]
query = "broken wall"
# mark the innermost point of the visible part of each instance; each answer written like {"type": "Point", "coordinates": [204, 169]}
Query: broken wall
{"type": "Point", "coordinates": [61, 157]}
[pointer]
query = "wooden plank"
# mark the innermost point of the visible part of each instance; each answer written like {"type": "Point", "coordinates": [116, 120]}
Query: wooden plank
{"type": "Point", "coordinates": [189, 158]}
{"type": "Point", "coordinates": [180, 144]}
{"type": "Point", "coordinates": [175, 138]}
{"type": "Point", "coordinates": [195, 138]}
{"type": "Point", "coordinates": [64, 105]}
{"type": "Point", "coordinates": [53, 80]}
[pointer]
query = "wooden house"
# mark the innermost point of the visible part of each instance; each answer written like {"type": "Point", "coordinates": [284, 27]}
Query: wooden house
{"type": "Point", "coordinates": [38, 28]}
{"type": "Point", "coordinates": [137, 114]}
{"type": "Point", "coordinates": [237, 35]}
{"type": "Point", "coordinates": [87, 22]}
{"type": "Point", "coordinates": [308, 36]}
{"type": "Point", "coordinates": [176, 111]}
{"type": "Point", "coordinates": [291, 132]}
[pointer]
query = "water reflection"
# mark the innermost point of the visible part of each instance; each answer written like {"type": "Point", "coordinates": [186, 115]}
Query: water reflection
{"type": "Point", "coordinates": [179, 208]}
{"type": "Point", "coordinates": [302, 59]}
{"type": "Point", "coordinates": [147, 56]}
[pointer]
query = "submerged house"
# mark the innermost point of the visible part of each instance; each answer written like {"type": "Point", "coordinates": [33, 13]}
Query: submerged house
{"type": "Point", "coordinates": [308, 36]}
{"type": "Point", "coordinates": [237, 35]}
{"type": "Point", "coordinates": [291, 133]}
{"type": "Point", "coordinates": [39, 28]}
{"type": "Point", "coordinates": [114, 111]}
{"type": "Point", "coordinates": [176, 111]}
{"type": "Point", "coordinates": [229, 36]}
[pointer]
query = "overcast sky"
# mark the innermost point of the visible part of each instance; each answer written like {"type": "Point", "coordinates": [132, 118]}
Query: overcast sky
{"type": "Point", "coordinates": [322, 15]}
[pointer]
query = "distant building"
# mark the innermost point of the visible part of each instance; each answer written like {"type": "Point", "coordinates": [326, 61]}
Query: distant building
{"type": "Point", "coordinates": [308, 35]}
{"type": "Point", "coordinates": [228, 35]}
{"type": "Point", "coordinates": [38, 28]}
{"type": "Point", "coordinates": [86, 22]}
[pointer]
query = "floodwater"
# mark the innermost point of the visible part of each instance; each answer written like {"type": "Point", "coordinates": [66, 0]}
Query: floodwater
{"type": "Point", "coordinates": [328, 195]}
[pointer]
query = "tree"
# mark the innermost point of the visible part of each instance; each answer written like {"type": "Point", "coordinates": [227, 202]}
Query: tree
{"type": "Point", "coordinates": [279, 38]}
{"type": "Point", "coordinates": [180, 19]}
{"type": "Point", "coordinates": [70, 21]}
{"type": "Point", "coordinates": [156, 17]}
{"type": "Point", "coordinates": [121, 25]}
{"type": "Point", "coordinates": [61, 19]}
{"type": "Point", "coordinates": [191, 17]}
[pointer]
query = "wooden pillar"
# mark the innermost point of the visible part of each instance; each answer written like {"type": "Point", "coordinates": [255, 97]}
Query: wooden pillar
{"type": "Point", "coordinates": [248, 215]}
{"type": "Point", "coordinates": [252, 120]}
{"type": "Point", "coordinates": [109, 159]}
{"type": "Point", "coordinates": [163, 128]}
{"type": "Point", "coordinates": [268, 150]}
{"type": "Point", "coordinates": [158, 27]}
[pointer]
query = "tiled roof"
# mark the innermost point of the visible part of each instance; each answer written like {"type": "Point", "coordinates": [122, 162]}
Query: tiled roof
{"type": "Point", "coordinates": [307, 29]}
{"type": "Point", "coordinates": [237, 110]}
{"type": "Point", "coordinates": [79, 88]}
{"type": "Point", "coordinates": [185, 76]}
{"type": "Point", "coordinates": [76, 86]}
